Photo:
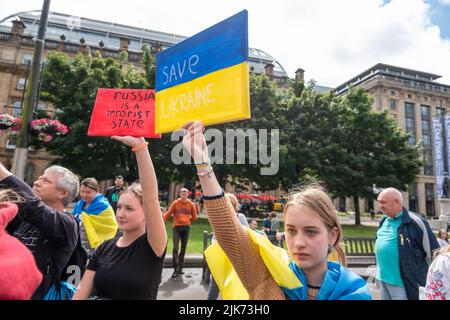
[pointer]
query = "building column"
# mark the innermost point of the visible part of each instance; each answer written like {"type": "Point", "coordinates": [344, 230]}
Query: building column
{"type": "Point", "coordinates": [405, 196]}
{"type": "Point", "coordinates": [421, 196]}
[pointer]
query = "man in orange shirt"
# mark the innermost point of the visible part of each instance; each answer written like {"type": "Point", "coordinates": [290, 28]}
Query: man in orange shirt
{"type": "Point", "coordinates": [184, 212]}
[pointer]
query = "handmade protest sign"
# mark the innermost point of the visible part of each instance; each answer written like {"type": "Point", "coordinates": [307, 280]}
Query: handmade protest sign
{"type": "Point", "coordinates": [205, 77]}
{"type": "Point", "coordinates": [124, 112]}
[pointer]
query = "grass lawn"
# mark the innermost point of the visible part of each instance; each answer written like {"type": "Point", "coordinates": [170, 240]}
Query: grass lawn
{"type": "Point", "coordinates": [195, 243]}
{"type": "Point", "coordinates": [359, 231]}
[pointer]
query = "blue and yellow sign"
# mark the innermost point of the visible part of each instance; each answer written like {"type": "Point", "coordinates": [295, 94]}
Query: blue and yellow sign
{"type": "Point", "coordinates": [204, 77]}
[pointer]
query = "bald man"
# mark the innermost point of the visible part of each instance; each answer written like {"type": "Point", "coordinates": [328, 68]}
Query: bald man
{"type": "Point", "coordinates": [403, 249]}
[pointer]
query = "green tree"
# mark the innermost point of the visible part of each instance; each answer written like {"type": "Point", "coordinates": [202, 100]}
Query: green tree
{"type": "Point", "coordinates": [371, 151]}
{"type": "Point", "coordinates": [71, 86]}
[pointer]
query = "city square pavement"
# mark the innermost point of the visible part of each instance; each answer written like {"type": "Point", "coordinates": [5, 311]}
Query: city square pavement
{"type": "Point", "coordinates": [191, 287]}
{"type": "Point", "coordinates": [188, 286]}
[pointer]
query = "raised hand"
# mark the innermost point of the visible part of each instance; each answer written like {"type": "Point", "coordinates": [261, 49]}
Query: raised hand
{"type": "Point", "coordinates": [195, 143]}
{"type": "Point", "coordinates": [129, 141]}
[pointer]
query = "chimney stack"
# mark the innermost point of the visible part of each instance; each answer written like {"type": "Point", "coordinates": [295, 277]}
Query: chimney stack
{"type": "Point", "coordinates": [300, 74]}
{"type": "Point", "coordinates": [17, 30]}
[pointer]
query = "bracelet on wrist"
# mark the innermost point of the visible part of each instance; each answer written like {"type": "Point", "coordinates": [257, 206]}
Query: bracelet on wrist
{"type": "Point", "coordinates": [202, 165]}
{"type": "Point", "coordinates": [206, 173]}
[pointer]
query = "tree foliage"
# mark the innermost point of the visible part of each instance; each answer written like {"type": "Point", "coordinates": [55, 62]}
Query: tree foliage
{"type": "Point", "coordinates": [336, 140]}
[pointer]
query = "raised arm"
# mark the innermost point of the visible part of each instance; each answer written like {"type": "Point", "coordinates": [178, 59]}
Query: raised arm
{"type": "Point", "coordinates": [156, 229]}
{"type": "Point", "coordinates": [230, 235]}
{"type": "Point", "coordinates": [57, 226]}
{"type": "Point", "coordinates": [3, 172]}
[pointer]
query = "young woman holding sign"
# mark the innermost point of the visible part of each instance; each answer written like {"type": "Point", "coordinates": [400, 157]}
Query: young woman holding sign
{"type": "Point", "coordinates": [266, 272]}
{"type": "Point", "coordinates": [131, 267]}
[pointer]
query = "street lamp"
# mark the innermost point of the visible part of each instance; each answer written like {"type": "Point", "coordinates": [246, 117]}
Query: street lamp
{"type": "Point", "coordinates": [31, 92]}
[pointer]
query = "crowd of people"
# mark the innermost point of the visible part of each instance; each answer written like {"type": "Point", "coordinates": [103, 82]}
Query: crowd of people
{"type": "Point", "coordinates": [125, 237]}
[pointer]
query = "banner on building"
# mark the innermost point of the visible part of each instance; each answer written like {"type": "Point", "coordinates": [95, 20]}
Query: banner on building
{"type": "Point", "coordinates": [438, 155]}
{"type": "Point", "coordinates": [124, 112]}
{"type": "Point", "coordinates": [205, 77]}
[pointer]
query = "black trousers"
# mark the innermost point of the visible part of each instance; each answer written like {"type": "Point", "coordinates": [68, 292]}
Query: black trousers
{"type": "Point", "coordinates": [179, 233]}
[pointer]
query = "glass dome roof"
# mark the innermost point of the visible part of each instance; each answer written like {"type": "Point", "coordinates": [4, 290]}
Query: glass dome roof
{"type": "Point", "coordinates": [94, 31]}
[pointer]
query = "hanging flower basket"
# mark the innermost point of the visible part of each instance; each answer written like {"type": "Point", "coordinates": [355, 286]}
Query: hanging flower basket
{"type": "Point", "coordinates": [48, 127]}
{"type": "Point", "coordinates": [7, 122]}
{"type": "Point", "coordinates": [42, 131]}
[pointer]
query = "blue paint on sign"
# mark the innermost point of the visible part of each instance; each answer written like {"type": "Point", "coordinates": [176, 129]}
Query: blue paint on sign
{"type": "Point", "coordinates": [220, 46]}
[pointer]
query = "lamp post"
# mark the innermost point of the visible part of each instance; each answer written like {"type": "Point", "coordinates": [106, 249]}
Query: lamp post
{"type": "Point", "coordinates": [31, 91]}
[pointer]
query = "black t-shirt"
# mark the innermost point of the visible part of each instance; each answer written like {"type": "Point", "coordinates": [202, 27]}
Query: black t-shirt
{"type": "Point", "coordinates": [132, 272]}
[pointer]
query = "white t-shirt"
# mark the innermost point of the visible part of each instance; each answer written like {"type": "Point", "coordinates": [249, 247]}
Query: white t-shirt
{"type": "Point", "coordinates": [438, 279]}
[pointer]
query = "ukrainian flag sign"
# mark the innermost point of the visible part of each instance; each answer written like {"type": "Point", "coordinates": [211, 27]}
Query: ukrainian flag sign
{"type": "Point", "coordinates": [204, 77]}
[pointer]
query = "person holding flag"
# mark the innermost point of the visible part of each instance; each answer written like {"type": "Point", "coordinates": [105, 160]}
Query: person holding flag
{"type": "Point", "coordinates": [246, 265]}
{"type": "Point", "coordinates": [94, 212]}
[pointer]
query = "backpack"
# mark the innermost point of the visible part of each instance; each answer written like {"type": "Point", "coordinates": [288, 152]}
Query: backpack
{"type": "Point", "coordinates": [78, 260]}
{"type": "Point", "coordinates": [64, 284]}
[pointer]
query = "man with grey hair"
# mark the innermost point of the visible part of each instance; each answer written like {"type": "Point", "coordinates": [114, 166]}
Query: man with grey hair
{"type": "Point", "coordinates": [403, 249]}
{"type": "Point", "coordinates": [42, 224]}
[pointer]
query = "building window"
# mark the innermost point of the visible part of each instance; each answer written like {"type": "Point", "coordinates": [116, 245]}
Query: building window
{"type": "Point", "coordinates": [409, 96]}
{"type": "Point", "coordinates": [440, 113]}
{"type": "Point", "coordinates": [410, 122]}
{"type": "Point", "coordinates": [17, 109]}
{"type": "Point", "coordinates": [392, 93]}
{"type": "Point", "coordinates": [41, 106]}
{"type": "Point", "coordinates": [16, 112]}
{"type": "Point", "coordinates": [21, 84]}
{"type": "Point", "coordinates": [429, 199]}
{"type": "Point", "coordinates": [426, 135]}
{"type": "Point", "coordinates": [27, 57]}
{"type": "Point", "coordinates": [393, 104]}
{"type": "Point", "coordinates": [413, 197]}
{"type": "Point", "coordinates": [11, 143]}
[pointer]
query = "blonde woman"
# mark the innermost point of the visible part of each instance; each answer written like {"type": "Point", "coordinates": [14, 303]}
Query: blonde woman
{"type": "Point", "coordinates": [312, 231]}
{"type": "Point", "coordinates": [130, 267]}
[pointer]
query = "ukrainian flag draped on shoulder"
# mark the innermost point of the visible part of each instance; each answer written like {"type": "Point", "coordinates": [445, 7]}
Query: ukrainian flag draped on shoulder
{"type": "Point", "coordinates": [98, 219]}
{"type": "Point", "coordinates": [275, 258]}
{"type": "Point", "coordinates": [339, 284]}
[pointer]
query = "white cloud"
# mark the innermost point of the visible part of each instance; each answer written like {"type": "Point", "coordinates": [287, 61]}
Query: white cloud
{"type": "Point", "coordinates": [332, 40]}
{"type": "Point", "coordinates": [445, 2]}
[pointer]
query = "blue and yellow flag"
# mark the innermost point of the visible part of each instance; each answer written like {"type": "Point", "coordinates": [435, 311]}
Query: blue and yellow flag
{"type": "Point", "coordinates": [275, 258]}
{"type": "Point", "coordinates": [98, 219]}
{"type": "Point", "coordinates": [204, 77]}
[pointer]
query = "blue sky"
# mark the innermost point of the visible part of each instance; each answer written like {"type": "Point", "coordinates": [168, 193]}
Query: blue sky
{"type": "Point", "coordinates": [331, 40]}
{"type": "Point", "coordinates": [440, 15]}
